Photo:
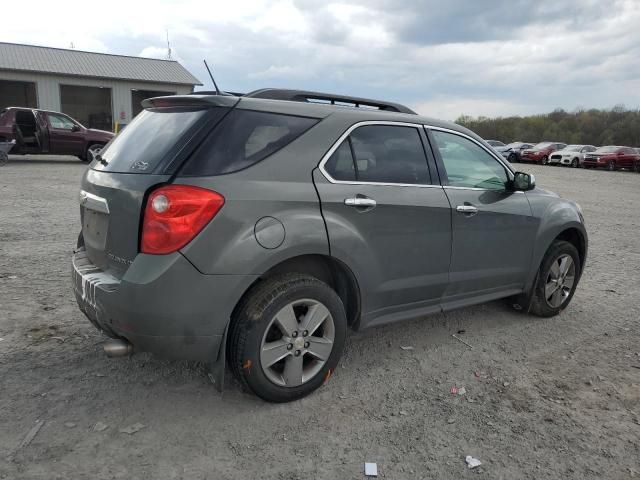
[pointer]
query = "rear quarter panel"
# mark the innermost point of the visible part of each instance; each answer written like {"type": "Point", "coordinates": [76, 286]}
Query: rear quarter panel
{"type": "Point", "coordinates": [280, 187]}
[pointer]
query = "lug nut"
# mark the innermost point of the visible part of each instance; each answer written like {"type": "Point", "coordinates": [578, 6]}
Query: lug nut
{"type": "Point", "coordinates": [294, 334]}
{"type": "Point", "coordinates": [290, 346]}
{"type": "Point", "coordinates": [297, 353]}
{"type": "Point", "coordinates": [305, 333]}
{"type": "Point", "coordinates": [306, 344]}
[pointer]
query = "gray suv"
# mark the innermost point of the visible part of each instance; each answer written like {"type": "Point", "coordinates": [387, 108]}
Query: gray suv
{"type": "Point", "coordinates": [256, 230]}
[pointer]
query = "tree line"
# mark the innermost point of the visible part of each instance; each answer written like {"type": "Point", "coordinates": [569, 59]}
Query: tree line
{"type": "Point", "coordinates": [618, 126]}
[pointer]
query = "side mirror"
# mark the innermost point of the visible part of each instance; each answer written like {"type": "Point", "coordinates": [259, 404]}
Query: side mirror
{"type": "Point", "coordinates": [75, 128]}
{"type": "Point", "coordinates": [523, 182]}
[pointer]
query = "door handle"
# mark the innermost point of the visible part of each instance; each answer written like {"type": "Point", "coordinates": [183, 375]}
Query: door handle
{"type": "Point", "coordinates": [360, 202]}
{"type": "Point", "coordinates": [467, 209]}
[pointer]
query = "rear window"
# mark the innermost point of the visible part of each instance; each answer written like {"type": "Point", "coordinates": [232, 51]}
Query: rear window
{"type": "Point", "coordinates": [154, 137]}
{"type": "Point", "coordinates": [244, 138]}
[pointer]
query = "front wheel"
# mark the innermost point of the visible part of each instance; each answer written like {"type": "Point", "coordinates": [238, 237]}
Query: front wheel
{"type": "Point", "coordinates": [611, 166]}
{"type": "Point", "coordinates": [557, 279]}
{"type": "Point", "coordinates": [636, 166]}
{"type": "Point", "coordinates": [513, 158]}
{"type": "Point", "coordinates": [544, 160]}
{"type": "Point", "coordinates": [287, 337]}
{"type": "Point", "coordinates": [575, 163]}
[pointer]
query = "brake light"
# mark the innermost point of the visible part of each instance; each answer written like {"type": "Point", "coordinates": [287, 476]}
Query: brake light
{"type": "Point", "coordinates": [174, 215]}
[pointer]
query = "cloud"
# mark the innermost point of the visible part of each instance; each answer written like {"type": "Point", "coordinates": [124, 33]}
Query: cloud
{"type": "Point", "coordinates": [495, 57]}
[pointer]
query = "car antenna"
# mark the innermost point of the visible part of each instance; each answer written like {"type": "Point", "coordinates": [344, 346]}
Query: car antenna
{"type": "Point", "coordinates": [212, 79]}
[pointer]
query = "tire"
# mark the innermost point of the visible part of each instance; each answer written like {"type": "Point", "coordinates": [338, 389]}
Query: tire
{"type": "Point", "coordinates": [4, 158]}
{"type": "Point", "coordinates": [513, 158]}
{"type": "Point", "coordinates": [92, 150]}
{"type": "Point", "coordinates": [575, 163]}
{"type": "Point", "coordinates": [611, 166]}
{"type": "Point", "coordinates": [544, 160]}
{"type": "Point", "coordinates": [255, 324]}
{"type": "Point", "coordinates": [545, 298]}
{"type": "Point", "coordinates": [636, 166]}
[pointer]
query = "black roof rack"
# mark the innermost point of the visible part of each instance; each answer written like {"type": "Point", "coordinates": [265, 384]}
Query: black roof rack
{"type": "Point", "coordinates": [327, 98]}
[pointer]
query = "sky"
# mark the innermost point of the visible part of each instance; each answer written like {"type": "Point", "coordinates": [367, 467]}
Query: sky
{"type": "Point", "coordinates": [441, 58]}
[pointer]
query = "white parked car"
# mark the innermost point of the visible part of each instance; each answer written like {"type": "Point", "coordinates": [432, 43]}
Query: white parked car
{"type": "Point", "coordinates": [572, 155]}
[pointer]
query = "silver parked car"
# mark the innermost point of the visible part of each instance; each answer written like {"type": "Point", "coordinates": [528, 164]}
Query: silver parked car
{"type": "Point", "coordinates": [259, 229]}
{"type": "Point", "coordinates": [572, 155]}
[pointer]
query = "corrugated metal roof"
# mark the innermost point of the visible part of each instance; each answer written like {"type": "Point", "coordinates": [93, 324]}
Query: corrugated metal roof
{"type": "Point", "coordinates": [88, 64]}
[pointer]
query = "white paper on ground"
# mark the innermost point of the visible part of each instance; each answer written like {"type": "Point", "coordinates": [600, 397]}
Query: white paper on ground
{"type": "Point", "coordinates": [371, 469]}
{"type": "Point", "coordinates": [472, 462]}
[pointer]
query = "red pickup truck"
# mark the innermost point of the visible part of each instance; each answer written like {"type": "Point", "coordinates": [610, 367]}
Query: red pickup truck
{"type": "Point", "coordinates": [52, 133]}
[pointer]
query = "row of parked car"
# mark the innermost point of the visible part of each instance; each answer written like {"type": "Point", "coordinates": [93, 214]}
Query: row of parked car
{"type": "Point", "coordinates": [611, 157]}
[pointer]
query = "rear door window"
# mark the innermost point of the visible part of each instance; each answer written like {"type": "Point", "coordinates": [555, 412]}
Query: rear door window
{"type": "Point", "coordinates": [381, 154]}
{"type": "Point", "coordinates": [153, 138]}
{"type": "Point", "coordinates": [244, 138]}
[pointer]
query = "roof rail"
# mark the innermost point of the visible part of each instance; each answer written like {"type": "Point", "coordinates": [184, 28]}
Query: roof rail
{"type": "Point", "coordinates": [327, 98]}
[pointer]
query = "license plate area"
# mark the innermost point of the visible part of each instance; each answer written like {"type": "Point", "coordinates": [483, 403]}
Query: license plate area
{"type": "Point", "coordinates": [95, 226]}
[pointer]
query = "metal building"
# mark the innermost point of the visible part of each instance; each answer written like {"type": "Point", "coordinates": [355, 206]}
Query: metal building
{"type": "Point", "coordinates": [99, 90]}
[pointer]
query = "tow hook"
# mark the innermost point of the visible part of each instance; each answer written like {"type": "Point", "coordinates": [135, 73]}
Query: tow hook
{"type": "Point", "coordinates": [117, 348]}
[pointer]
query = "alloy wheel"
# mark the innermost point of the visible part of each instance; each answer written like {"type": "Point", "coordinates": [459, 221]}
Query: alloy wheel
{"type": "Point", "coordinates": [611, 166]}
{"type": "Point", "coordinates": [574, 163]}
{"type": "Point", "coordinates": [560, 280]}
{"type": "Point", "coordinates": [297, 343]}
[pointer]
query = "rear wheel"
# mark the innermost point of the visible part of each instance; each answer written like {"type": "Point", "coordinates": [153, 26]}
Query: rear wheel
{"type": "Point", "coordinates": [287, 337]}
{"type": "Point", "coordinates": [544, 160]}
{"type": "Point", "coordinates": [611, 166]}
{"type": "Point", "coordinates": [4, 158]}
{"type": "Point", "coordinates": [557, 279]}
{"type": "Point", "coordinates": [636, 166]}
{"type": "Point", "coordinates": [513, 158]}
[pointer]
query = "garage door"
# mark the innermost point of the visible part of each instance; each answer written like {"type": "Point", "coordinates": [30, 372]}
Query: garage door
{"type": "Point", "coordinates": [17, 94]}
{"type": "Point", "coordinates": [91, 106]}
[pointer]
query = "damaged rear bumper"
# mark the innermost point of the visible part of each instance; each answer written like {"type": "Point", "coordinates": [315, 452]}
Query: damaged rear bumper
{"type": "Point", "coordinates": [161, 305]}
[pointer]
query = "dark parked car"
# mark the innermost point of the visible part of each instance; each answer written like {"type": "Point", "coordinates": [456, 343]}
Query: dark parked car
{"type": "Point", "coordinates": [513, 151]}
{"type": "Point", "coordinates": [53, 133]}
{"type": "Point", "coordinates": [612, 157]}
{"type": "Point", "coordinates": [261, 228]}
{"type": "Point", "coordinates": [541, 151]}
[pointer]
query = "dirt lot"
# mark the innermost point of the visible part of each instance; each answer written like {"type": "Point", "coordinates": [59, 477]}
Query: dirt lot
{"type": "Point", "coordinates": [556, 398]}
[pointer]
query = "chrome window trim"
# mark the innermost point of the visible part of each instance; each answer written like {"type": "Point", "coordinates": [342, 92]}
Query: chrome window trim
{"type": "Point", "coordinates": [343, 137]}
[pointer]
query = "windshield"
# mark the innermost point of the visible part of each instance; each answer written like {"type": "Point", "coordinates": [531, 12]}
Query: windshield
{"type": "Point", "coordinates": [573, 148]}
{"type": "Point", "coordinates": [542, 146]}
{"type": "Point", "coordinates": [610, 149]}
{"type": "Point", "coordinates": [152, 138]}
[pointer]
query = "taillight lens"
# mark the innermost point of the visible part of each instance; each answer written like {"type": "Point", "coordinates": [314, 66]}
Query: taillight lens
{"type": "Point", "coordinates": [174, 215]}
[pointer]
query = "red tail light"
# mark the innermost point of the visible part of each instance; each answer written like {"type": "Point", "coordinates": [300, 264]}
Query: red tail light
{"type": "Point", "coordinates": [174, 215]}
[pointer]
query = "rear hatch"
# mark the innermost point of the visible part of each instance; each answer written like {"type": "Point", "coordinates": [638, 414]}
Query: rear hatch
{"type": "Point", "coordinates": [144, 155]}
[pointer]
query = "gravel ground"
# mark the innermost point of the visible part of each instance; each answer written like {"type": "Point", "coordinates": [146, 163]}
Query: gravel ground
{"type": "Point", "coordinates": [545, 398]}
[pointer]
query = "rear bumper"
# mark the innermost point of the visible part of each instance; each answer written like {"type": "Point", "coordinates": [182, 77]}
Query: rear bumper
{"type": "Point", "coordinates": [161, 305]}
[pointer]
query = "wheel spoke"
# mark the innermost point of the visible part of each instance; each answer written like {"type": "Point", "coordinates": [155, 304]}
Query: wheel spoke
{"type": "Point", "coordinates": [549, 289]}
{"type": "Point", "coordinates": [556, 298]}
{"type": "Point", "coordinates": [569, 281]}
{"type": "Point", "coordinates": [292, 374]}
{"type": "Point", "coordinates": [273, 352]}
{"type": "Point", "coordinates": [320, 347]}
{"type": "Point", "coordinates": [286, 320]}
{"type": "Point", "coordinates": [315, 316]}
{"type": "Point", "coordinates": [555, 270]}
{"type": "Point", "coordinates": [565, 264]}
